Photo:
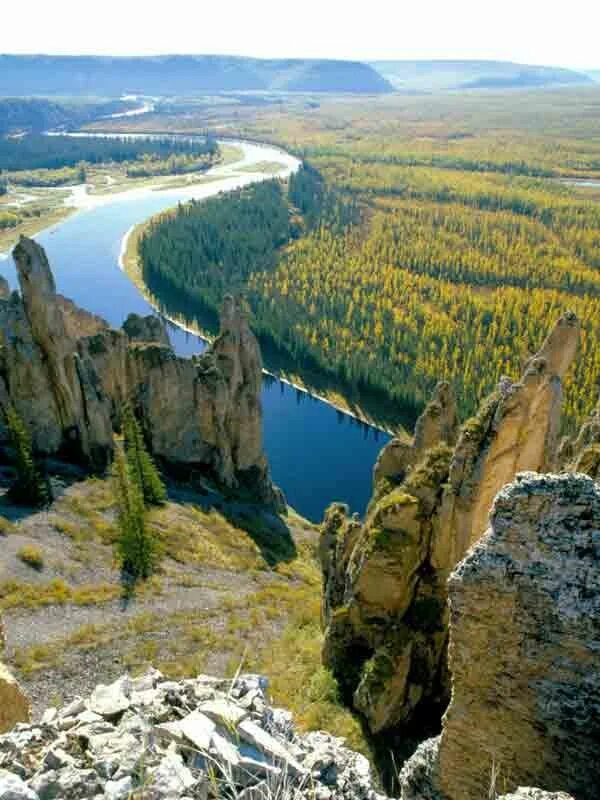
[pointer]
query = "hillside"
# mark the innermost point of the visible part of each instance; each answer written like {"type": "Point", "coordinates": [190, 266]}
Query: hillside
{"type": "Point", "coordinates": [33, 115]}
{"type": "Point", "coordinates": [233, 584]}
{"type": "Point", "coordinates": [419, 76]}
{"type": "Point", "coordinates": [184, 75]}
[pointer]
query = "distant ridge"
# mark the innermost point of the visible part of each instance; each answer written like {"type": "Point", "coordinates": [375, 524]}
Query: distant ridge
{"type": "Point", "coordinates": [184, 75]}
{"type": "Point", "coordinates": [425, 76]}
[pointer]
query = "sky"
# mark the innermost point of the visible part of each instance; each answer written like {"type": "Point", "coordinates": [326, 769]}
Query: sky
{"type": "Point", "coordinates": [528, 31]}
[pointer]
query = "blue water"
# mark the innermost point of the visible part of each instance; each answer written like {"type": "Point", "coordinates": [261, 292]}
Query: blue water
{"type": "Point", "coordinates": [317, 455]}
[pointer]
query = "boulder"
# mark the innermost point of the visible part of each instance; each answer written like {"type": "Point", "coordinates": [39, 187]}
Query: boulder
{"type": "Point", "coordinates": [13, 788]}
{"type": "Point", "coordinates": [527, 793]}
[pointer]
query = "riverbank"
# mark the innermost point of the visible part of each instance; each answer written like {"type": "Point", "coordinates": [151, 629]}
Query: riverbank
{"type": "Point", "coordinates": [41, 208]}
{"type": "Point", "coordinates": [129, 262]}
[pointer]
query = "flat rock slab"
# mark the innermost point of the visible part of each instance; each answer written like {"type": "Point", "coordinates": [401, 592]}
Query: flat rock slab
{"type": "Point", "coordinates": [268, 745]}
{"type": "Point", "coordinates": [224, 712]}
{"type": "Point", "coordinates": [197, 728]}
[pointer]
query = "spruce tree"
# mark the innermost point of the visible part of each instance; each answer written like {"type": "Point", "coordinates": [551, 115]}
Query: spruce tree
{"type": "Point", "coordinates": [30, 486]}
{"type": "Point", "coordinates": [135, 544]}
{"type": "Point", "coordinates": [142, 466]}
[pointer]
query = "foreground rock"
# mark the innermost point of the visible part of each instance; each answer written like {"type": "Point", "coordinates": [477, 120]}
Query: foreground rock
{"type": "Point", "coordinates": [68, 374]}
{"type": "Point", "coordinates": [14, 705]}
{"type": "Point", "coordinates": [526, 793]}
{"type": "Point", "coordinates": [152, 738]}
{"type": "Point", "coordinates": [525, 609]}
{"type": "Point", "coordinates": [385, 606]}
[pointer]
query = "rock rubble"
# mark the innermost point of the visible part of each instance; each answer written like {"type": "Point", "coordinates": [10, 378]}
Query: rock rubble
{"type": "Point", "coordinates": [153, 738]}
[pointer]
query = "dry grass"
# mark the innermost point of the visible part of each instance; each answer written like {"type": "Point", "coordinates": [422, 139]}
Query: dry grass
{"type": "Point", "coordinates": [18, 594]}
{"type": "Point", "coordinates": [268, 617]}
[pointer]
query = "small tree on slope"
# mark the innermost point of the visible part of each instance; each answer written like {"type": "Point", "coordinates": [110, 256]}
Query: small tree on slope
{"type": "Point", "coordinates": [142, 466]}
{"type": "Point", "coordinates": [136, 546]}
{"type": "Point", "coordinates": [30, 486]}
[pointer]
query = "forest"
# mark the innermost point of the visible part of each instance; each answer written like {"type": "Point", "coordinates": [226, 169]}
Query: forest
{"type": "Point", "coordinates": [403, 271]}
{"type": "Point", "coordinates": [55, 152]}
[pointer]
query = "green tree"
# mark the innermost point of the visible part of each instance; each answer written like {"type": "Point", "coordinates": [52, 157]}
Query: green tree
{"type": "Point", "coordinates": [30, 486]}
{"type": "Point", "coordinates": [135, 544]}
{"type": "Point", "coordinates": [143, 470]}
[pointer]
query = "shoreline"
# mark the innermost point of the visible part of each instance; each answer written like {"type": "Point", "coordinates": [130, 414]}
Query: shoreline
{"type": "Point", "coordinates": [79, 200]}
{"type": "Point", "coordinates": [135, 278]}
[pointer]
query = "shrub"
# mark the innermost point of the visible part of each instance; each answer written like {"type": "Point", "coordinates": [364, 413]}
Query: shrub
{"type": "Point", "coordinates": [32, 556]}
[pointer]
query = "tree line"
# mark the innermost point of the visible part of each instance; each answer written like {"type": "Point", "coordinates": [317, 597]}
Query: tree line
{"type": "Point", "coordinates": [55, 152]}
{"type": "Point", "coordinates": [393, 290]}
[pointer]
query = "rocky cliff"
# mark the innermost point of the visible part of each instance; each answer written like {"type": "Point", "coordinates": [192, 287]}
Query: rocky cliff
{"type": "Point", "coordinates": [524, 632]}
{"type": "Point", "coordinates": [68, 373]}
{"type": "Point", "coordinates": [385, 607]}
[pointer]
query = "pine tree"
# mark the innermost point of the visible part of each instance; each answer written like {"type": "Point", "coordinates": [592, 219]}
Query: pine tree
{"type": "Point", "coordinates": [136, 546]}
{"type": "Point", "coordinates": [142, 466]}
{"type": "Point", "coordinates": [30, 486]}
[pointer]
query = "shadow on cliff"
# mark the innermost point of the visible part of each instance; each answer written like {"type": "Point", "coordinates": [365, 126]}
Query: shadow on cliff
{"type": "Point", "coordinates": [59, 477]}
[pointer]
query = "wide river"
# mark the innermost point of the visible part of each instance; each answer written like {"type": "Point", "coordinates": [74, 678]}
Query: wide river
{"type": "Point", "coordinates": [316, 453]}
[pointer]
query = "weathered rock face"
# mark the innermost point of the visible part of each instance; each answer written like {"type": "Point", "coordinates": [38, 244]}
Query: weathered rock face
{"type": "Point", "coordinates": [145, 329]}
{"type": "Point", "coordinates": [162, 740]}
{"type": "Point", "coordinates": [68, 374]}
{"type": "Point", "coordinates": [583, 454]}
{"type": "Point", "coordinates": [525, 609]}
{"type": "Point", "coordinates": [385, 607]}
{"type": "Point", "coordinates": [14, 705]}
{"type": "Point", "coordinates": [438, 424]}
{"type": "Point", "coordinates": [59, 401]}
{"type": "Point", "coordinates": [218, 418]}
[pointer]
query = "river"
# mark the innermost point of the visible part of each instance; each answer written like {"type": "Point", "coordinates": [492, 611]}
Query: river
{"type": "Point", "coordinates": [316, 453]}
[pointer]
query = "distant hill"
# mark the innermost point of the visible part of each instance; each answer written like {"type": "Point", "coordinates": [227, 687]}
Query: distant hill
{"type": "Point", "coordinates": [594, 74]}
{"type": "Point", "coordinates": [184, 75]}
{"type": "Point", "coordinates": [423, 76]}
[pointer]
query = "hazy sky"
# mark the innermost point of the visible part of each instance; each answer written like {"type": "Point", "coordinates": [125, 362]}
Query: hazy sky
{"type": "Point", "coordinates": [531, 31]}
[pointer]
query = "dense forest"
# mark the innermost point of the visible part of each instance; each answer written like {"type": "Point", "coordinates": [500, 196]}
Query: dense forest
{"type": "Point", "coordinates": [54, 152]}
{"type": "Point", "coordinates": [403, 275]}
{"type": "Point", "coordinates": [205, 249]}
